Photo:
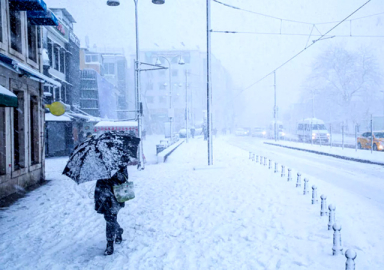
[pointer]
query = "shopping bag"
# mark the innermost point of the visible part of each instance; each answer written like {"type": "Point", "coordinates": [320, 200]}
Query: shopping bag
{"type": "Point", "coordinates": [124, 192]}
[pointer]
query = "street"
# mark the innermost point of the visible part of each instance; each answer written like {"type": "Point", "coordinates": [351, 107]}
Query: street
{"type": "Point", "coordinates": [234, 215]}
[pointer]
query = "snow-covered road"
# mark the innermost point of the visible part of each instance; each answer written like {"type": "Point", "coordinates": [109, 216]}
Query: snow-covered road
{"type": "Point", "coordinates": [364, 180]}
{"type": "Point", "coordinates": [236, 215]}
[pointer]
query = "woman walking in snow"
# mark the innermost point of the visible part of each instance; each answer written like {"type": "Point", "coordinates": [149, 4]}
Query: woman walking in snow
{"type": "Point", "coordinates": [106, 204]}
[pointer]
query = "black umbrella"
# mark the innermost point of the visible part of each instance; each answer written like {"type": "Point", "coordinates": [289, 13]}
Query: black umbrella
{"type": "Point", "coordinates": [99, 157]}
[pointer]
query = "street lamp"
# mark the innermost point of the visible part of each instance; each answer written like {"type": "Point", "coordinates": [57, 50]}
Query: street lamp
{"type": "Point", "coordinates": [158, 63]}
{"type": "Point", "coordinates": [139, 110]}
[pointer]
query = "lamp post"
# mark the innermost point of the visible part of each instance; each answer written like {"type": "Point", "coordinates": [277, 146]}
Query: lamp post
{"type": "Point", "coordinates": [139, 108]}
{"type": "Point", "coordinates": [170, 112]}
{"type": "Point", "coordinates": [209, 91]}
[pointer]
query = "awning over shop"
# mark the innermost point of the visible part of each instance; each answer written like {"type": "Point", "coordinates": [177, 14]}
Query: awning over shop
{"type": "Point", "coordinates": [52, 118]}
{"type": "Point", "coordinates": [42, 18]}
{"type": "Point", "coordinates": [24, 69]}
{"type": "Point", "coordinates": [7, 98]}
{"type": "Point", "coordinates": [34, 73]}
{"type": "Point", "coordinates": [28, 5]}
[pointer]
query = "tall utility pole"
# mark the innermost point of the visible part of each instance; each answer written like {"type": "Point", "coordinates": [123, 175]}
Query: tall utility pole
{"type": "Point", "coordinates": [275, 108]}
{"type": "Point", "coordinates": [209, 87]}
{"type": "Point", "coordinates": [139, 108]}
{"type": "Point", "coordinates": [186, 105]}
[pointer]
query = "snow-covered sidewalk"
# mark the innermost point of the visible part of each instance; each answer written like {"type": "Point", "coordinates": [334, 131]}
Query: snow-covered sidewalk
{"type": "Point", "coordinates": [236, 215]}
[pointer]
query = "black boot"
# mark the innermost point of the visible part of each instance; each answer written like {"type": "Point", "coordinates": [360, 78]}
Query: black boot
{"type": "Point", "coordinates": [109, 249]}
{"type": "Point", "coordinates": [119, 236]}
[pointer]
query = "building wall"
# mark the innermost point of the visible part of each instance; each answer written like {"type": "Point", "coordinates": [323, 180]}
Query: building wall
{"type": "Point", "coordinates": [30, 112]}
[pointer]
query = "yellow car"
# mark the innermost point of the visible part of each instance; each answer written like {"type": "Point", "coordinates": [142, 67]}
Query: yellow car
{"type": "Point", "coordinates": [364, 141]}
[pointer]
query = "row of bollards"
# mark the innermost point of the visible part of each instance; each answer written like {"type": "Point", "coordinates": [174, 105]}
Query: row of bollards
{"type": "Point", "coordinates": [337, 248]}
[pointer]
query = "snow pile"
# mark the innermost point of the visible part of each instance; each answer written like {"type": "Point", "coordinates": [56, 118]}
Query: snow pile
{"type": "Point", "coordinates": [236, 215]}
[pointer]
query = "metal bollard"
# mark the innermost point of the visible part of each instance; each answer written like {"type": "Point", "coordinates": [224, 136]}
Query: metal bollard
{"type": "Point", "coordinates": [298, 182]}
{"type": "Point", "coordinates": [350, 254]}
{"type": "Point", "coordinates": [257, 158]}
{"type": "Point", "coordinates": [314, 195]}
{"type": "Point", "coordinates": [323, 211]}
{"type": "Point", "coordinates": [331, 220]}
{"type": "Point", "coordinates": [306, 191]}
{"type": "Point", "coordinates": [282, 170]}
{"type": "Point", "coordinates": [337, 246]}
{"type": "Point", "coordinates": [276, 167]}
{"type": "Point", "coordinates": [270, 164]}
{"type": "Point", "coordinates": [265, 161]}
{"type": "Point", "coordinates": [289, 175]}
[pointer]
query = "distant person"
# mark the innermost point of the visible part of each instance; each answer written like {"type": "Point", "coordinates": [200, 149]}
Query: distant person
{"type": "Point", "coordinates": [193, 132]}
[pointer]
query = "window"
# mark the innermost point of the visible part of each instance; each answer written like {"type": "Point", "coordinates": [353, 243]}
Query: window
{"type": "Point", "coordinates": [175, 73]}
{"type": "Point", "coordinates": [300, 127]}
{"type": "Point", "coordinates": [56, 94]}
{"type": "Point", "coordinates": [89, 104]}
{"type": "Point", "coordinates": [89, 94]}
{"type": "Point", "coordinates": [162, 100]}
{"type": "Point", "coordinates": [56, 57]}
{"type": "Point", "coordinates": [62, 61]}
{"type": "Point", "coordinates": [32, 41]}
{"type": "Point", "coordinates": [15, 25]}
{"type": "Point", "coordinates": [95, 58]}
{"type": "Point", "coordinates": [34, 130]}
{"type": "Point", "coordinates": [50, 52]}
{"type": "Point", "coordinates": [89, 58]}
{"type": "Point", "coordinates": [18, 133]}
{"type": "Point", "coordinates": [109, 68]}
{"type": "Point", "coordinates": [150, 100]}
{"type": "Point", "coordinates": [3, 165]}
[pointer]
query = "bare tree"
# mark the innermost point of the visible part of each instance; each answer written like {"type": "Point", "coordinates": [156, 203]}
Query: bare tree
{"type": "Point", "coordinates": [346, 82]}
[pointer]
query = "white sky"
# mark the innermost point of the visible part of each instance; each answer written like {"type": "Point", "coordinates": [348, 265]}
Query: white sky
{"type": "Point", "coordinates": [248, 57]}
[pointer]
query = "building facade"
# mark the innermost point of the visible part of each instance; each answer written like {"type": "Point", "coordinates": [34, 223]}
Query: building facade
{"type": "Point", "coordinates": [188, 90]}
{"type": "Point", "coordinates": [22, 123]}
{"type": "Point", "coordinates": [111, 65]}
{"type": "Point", "coordinates": [62, 63]}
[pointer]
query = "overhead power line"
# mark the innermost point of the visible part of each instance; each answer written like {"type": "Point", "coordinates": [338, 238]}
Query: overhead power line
{"type": "Point", "coordinates": [289, 20]}
{"type": "Point", "coordinates": [324, 36]}
{"type": "Point", "coordinates": [294, 34]}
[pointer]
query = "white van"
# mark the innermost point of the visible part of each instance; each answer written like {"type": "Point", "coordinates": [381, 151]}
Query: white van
{"type": "Point", "coordinates": [312, 129]}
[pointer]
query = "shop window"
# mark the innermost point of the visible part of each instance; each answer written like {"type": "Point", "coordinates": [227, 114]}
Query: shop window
{"type": "Point", "coordinates": [56, 57]}
{"type": "Point", "coordinates": [32, 41]}
{"type": "Point", "coordinates": [62, 61]}
{"type": "Point", "coordinates": [3, 165]}
{"type": "Point", "coordinates": [18, 133]}
{"type": "Point", "coordinates": [15, 25]}
{"type": "Point", "coordinates": [34, 130]}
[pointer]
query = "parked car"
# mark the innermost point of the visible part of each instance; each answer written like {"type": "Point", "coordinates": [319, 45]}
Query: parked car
{"type": "Point", "coordinates": [258, 132]}
{"type": "Point", "coordinates": [241, 132]}
{"type": "Point", "coordinates": [364, 141]}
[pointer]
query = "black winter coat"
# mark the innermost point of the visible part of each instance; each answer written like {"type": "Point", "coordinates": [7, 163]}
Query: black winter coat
{"type": "Point", "coordinates": [105, 200]}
